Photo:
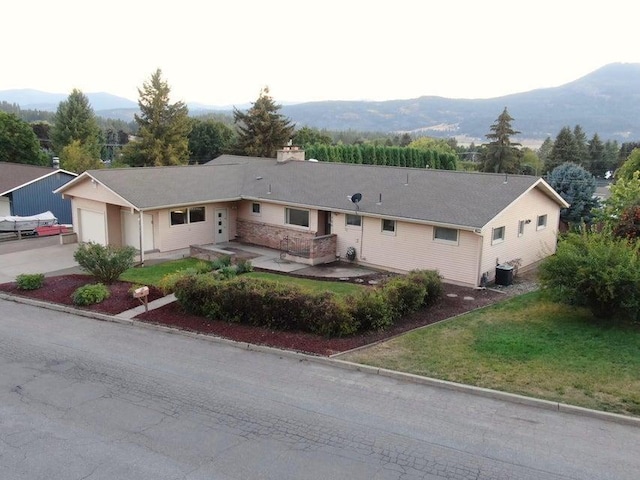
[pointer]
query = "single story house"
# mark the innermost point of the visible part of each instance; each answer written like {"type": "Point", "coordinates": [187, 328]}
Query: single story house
{"type": "Point", "coordinates": [28, 190]}
{"type": "Point", "coordinates": [462, 224]}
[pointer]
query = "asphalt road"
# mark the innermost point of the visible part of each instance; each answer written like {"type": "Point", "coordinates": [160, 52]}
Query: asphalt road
{"type": "Point", "coordinates": [85, 399]}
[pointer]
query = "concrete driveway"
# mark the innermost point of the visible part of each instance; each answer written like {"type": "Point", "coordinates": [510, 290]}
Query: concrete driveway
{"type": "Point", "coordinates": [36, 255]}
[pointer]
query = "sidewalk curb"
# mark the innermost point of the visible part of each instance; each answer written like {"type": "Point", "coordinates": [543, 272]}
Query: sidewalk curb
{"type": "Point", "coordinates": [343, 364]}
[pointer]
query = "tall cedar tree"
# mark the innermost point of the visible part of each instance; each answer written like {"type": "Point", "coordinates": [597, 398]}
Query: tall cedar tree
{"type": "Point", "coordinates": [565, 149]}
{"type": "Point", "coordinates": [163, 128]}
{"type": "Point", "coordinates": [262, 130]}
{"type": "Point", "coordinates": [501, 155]}
{"type": "Point", "coordinates": [18, 143]}
{"type": "Point", "coordinates": [75, 120]}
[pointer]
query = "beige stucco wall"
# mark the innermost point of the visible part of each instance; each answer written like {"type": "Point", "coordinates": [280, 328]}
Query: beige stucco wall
{"type": "Point", "coordinates": [173, 237]}
{"type": "Point", "coordinates": [94, 191]}
{"type": "Point", "coordinates": [274, 214]}
{"type": "Point", "coordinates": [534, 244]}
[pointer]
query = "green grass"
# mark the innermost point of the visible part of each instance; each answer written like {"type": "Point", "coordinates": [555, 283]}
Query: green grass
{"type": "Point", "coordinates": [530, 346]}
{"type": "Point", "coordinates": [152, 274]}
{"type": "Point", "coordinates": [339, 288]}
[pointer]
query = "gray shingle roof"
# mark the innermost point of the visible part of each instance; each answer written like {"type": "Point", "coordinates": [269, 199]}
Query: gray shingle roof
{"type": "Point", "coordinates": [13, 175]}
{"type": "Point", "coordinates": [446, 197]}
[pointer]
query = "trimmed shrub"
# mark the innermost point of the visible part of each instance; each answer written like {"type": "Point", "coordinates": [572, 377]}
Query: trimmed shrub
{"type": "Point", "coordinates": [90, 294]}
{"type": "Point", "coordinates": [167, 283]}
{"type": "Point", "coordinates": [203, 267]}
{"type": "Point", "coordinates": [404, 296]}
{"type": "Point", "coordinates": [30, 281]}
{"type": "Point", "coordinates": [220, 262]}
{"type": "Point", "coordinates": [370, 310]}
{"type": "Point", "coordinates": [596, 271]}
{"type": "Point", "coordinates": [432, 282]}
{"type": "Point", "coordinates": [104, 263]}
{"type": "Point", "coordinates": [227, 272]}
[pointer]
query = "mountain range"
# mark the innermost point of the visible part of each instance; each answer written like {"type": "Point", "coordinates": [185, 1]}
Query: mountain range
{"type": "Point", "coordinates": [606, 102]}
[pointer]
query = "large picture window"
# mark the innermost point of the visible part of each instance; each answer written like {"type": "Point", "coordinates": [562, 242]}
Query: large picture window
{"type": "Point", "coordinates": [447, 235]}
{"type": "Point", "coordinates": [182, 216]}
{"type": "Point", "coordinates": [297, 217]}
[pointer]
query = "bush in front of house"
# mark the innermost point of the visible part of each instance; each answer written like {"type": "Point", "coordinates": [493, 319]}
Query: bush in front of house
{"type": "Point", "coordinates": [370, 310]}
{"type": "Point", "coordinates": [597, 271]}
{"type": "Point", "coordinates": [403, 296]}
{"type": "Point", "coordinates": [30, 281]}
{"type": "Point", "coordinates": [244, 266]}
{"type": "Point", "coordinates": [264, 303]}
{"type": "Point", "coordinates": [106, 263]}
{"type": "Point", "coordinates": [90, 294]}
{"type": "Point", "coordinates": [432, 282]}
{"type": "Point", "coordinates": [221, 262]}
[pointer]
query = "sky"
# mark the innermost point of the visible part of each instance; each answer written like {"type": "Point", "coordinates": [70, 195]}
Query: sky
{"type": "Point", "coordinates": [224, 53]}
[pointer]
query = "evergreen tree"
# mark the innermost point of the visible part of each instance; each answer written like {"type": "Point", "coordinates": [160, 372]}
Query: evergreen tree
{"type": "Point", "coordinates": [501, 155]}
{"type": "Point", "coordinates": [163, 128]}
{"type": "Point", "coordinates": [611, 153]}
{"type": "Point", "coordinates": [75, 120]}
{"type": "Point", "coordinates": [545, 150]}
{"type": "Point", "coordinates": [577, 186]}
{"type": "Point", "coordinates": [582, 150]}
{"type": "Point", "coordinates": [262, 130]}
{"type": "Point", "coordinates": [564, 150]}
{"type": "Point", "coordinates": [18, 143]}
{"type": "Point", "coordinates": [596, 156]}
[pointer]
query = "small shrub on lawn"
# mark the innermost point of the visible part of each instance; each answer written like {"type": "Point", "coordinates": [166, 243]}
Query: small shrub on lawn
{"type": "Point", "coordinates": [168, 283]}
{"type": "Point", "coordinates": [30, 281]}
{"type": "Point", "coordinates": [203, 267]}
{"type": "Point", "coordinates": [227, 272]}
{"type": "Point", "coordinates": [104, 263]}
{"type": "Point", "coordinates": [90, 294]}
{"type": "Point", "coordinates": [597, 271]}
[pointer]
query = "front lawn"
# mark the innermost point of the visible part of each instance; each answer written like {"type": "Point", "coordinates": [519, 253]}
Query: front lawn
{"type": "Point", "coordinates": [526, 345]}
{"type": "Point", "coordinates": [339, 288]}
{"type": "Point", "coordinates": [152, 274]}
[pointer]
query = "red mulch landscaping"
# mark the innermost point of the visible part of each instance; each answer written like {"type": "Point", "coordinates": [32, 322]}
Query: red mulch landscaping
{"type": "Point", "coordinates": [59, 289]}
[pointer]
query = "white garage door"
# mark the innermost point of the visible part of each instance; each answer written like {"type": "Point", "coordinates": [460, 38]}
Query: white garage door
{"type": "Point", "coordinates": [131, 232]}
{"type": "Point", "coordinates": [92, 227]}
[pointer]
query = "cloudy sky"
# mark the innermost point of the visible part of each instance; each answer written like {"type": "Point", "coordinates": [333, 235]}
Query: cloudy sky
{"type": "Point", "coordinates": [223, 53]}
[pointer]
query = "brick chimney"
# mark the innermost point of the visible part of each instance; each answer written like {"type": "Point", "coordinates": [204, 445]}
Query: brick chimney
{"type": "Point", "coordinates": [290, 152]}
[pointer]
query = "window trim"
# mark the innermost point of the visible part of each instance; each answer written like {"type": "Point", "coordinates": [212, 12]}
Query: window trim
{"type": "Point", "coordinates": [253, 210]}
{"type": "Point", "coordinates": [385, 231]}
{"type": "Point", "coordinates": [352, 225]}
{"type": "Point", "coordinates": [494, 240]}
{"type": "Point", "coordinates": [444, 240]}
{"type": "Point", "coordinates": [287, 215]}
{"type": "Point", "coordinates": [187, 215]}
{"type": "Point", "coordinates": [544, 225]}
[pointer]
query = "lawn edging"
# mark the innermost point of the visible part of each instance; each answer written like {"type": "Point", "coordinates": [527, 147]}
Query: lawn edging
{"type": "Point", "coordinates": [407, 377]}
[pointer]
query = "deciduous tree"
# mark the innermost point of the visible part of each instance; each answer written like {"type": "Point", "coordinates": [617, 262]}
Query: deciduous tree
{"type": "Point", "coordinates": [209, 139]}
{"type": "Point", "coordinates": [75, 158]}
{"type": "Point", "coordinates": [262, 130]}
{"type": "Point", "coordinates": [18, 143]}
{"type": "Point", "coordinates": [163, 128]}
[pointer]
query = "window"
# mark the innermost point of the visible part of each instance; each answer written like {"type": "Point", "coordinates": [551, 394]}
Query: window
{"type": "Point", "coordinates": [388, 226]}
{"type": "Point", "coordinates": [497, 235]}
{"type": "Point", "coordinates": [449, 235]}
{"type": "Point", "coordinates": [187, 215]}
{"type": "Point", "coordinates": [255, 208]}
{"type": "Point", "coordinates": [353, 220]}
{"type": "Point", "coordinates": [542, 222]}
{"type": "Point", "coordinates": [521, 228]}
{"type": "Point", "coordinates": [297, 217]}
{"type": "Point", "coordinates": [196, 214]}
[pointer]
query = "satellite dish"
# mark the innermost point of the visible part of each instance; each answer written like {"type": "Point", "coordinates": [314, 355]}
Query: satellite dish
{"type": "Point", "coordinates": [356, 197]}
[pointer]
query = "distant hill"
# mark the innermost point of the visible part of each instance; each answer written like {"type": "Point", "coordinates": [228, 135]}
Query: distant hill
{"type": "Point", "coordinates": [606, 101]}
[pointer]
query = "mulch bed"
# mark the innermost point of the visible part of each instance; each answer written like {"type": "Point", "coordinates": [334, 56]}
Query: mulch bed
{"type": "Point", "coordinates": [59, 289]}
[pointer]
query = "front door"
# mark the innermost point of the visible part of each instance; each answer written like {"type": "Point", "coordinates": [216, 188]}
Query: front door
{"type": "Point", "coordinates": [221, 226]}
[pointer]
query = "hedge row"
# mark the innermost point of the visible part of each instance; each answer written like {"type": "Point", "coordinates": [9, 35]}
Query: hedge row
{"type": "Point", "coordinates": [279, 306]}
{"type": "Point", "coordinates": [382, 155]}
